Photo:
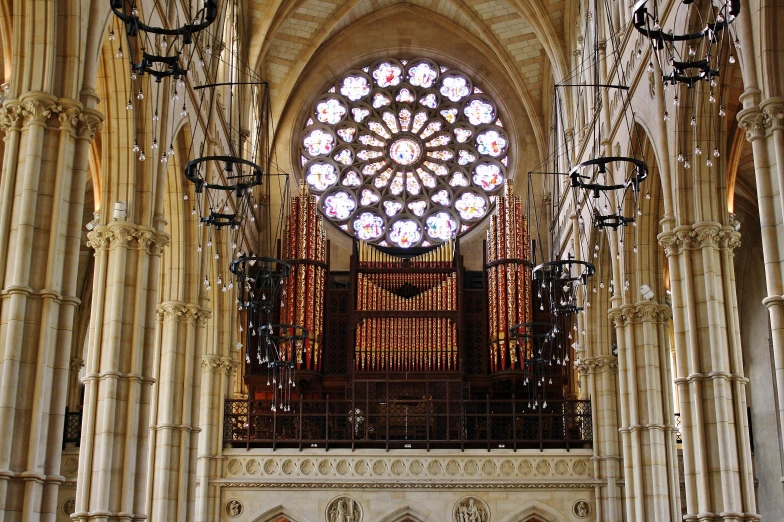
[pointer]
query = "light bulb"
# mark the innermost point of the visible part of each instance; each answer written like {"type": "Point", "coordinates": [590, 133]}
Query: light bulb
{"type": "Point", "coordinates": [175, 96]}
{"type": "Point", "coordinates": [164, 158]}
{"type": "Point", "coordinates": [709, 162]}
{"type": "Point", "coordinates": [142, 157]}
{"type": "Point", "coordinates": [217, 256]}
{"type": "Point", "coordinates": [721, 112]}
{"type": "Point", "coordinates": [198, 248]}
{"type": "Point", "coordinates": [163, 43]}
{"type": "Point", "coordinates": [185, 197]}
{"type": "Point", "coordinates": [111, 35]}
{"type": "Point", "coordinates": [634, 249]}
{"type": "Point", "coordinates": [712, 98]}
{"type": "Point", "coordinates": [713, 82]}
{"type": "Point", "coordinates": [208, 50]}
{"type": "Point", "coordinates": [676, 101]}
{"type": "Point", "coordinates": [219, 281]}
{"type": "Point", "coordinates": [193, 213]}
{"type": "Point", "coordinates": [184, 111]}
{"type": "Point", "coordinates": [209, 242]}
{"type": "Point", "coordinates": [680, 157]}
{"type": "Point", "coordinates": [140, 96]}
{"type": "Point", "coordinates": [133, 75]}
{"type": "Point", "coordinates": [134, 11]}
{"type": "Point", "coordinates": [686, 164]}
{"type": "Point", "coordinates": [119, 53]}
{"type": "Point", "coordinates": [697, 150]}
{"type": "Point", "coordinates": [692, 52]}
{"type": "Point", "coordinates": [206, 281]}
{"type": "Point", "coordinates": [719, 18]}
{"type": "Point", "coordinates": [693, 121]}
{"type": "Point", "coordinates": [170, 152]}
{"type": "Point", "coordinates": [650, 67]}
{"type": "Point", "coordinates": [130, 105]}
{"type": "Point", "coordinates": [732, 58]}
{"type": "Point", "coordinates": [135, 146]}
{"type": "Point", "coordinates": [155, 116]}
{"type": "Point", "coordinates": [154, 143]}
{"type": "Point", "coordinates": [201, 62]}
{"type": "Point", "coordinates": [716, 152]}
{"type": "Point", "coordinates": [666, 116]}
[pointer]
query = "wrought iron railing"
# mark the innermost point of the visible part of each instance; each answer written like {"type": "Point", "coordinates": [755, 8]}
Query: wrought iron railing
{"type": "Point", "coordinates": [410, 422]}
{"type": "Point", "coordinates": [72, 432]}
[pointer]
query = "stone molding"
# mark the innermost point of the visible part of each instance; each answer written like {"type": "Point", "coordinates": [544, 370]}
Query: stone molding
{"type": "Point", "coordinates": [640, 312]}
{"type": "Point", "coordinates": [123, 233]}
{"type": "Point", "coordinates": [220, 364]}
{"type": "Point", "coordinates": [596, 364]}
{"type": "Point", "coordinates": [758, 122]}
{"type": "Point", "coordinates": [39, 108]}
{"type": "Point", "coordinates": [182, 312]}
{"type": "Point", "coordinates": [707, 234]}
{"type": "Point", "coordinates": [347, 470]}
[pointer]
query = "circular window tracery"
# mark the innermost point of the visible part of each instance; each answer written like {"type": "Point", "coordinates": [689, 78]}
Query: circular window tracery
{"type": "Point", "coordinates": [404, 153]}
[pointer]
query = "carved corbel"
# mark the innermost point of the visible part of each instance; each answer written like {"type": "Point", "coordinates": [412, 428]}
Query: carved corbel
{"type": "Point", "coordinates": [755, 122]}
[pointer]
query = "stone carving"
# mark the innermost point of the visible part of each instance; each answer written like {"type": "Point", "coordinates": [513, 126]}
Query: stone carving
{"type": "Point", "coordinates": [344, 509]}
{"type": "Point", "coordinates": [234, 508]}
{"type": "Point", "coordinates": [581, 509]}
{"type": "Point", "coordinates": [471, 509]}
{"type": "Point", "coordinates": [69, 506]}
{"type": "Point", "coordinates": [470, 471]}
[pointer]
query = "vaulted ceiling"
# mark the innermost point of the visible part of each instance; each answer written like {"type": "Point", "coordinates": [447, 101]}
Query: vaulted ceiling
{"type": "Point", "coordinates": [517, 42]}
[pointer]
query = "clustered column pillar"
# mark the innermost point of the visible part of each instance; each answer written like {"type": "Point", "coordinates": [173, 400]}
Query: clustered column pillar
{"type": "Point", "coordinates": [650, 454]}
{"type": "Point", "coordinates": [174, 430]}
{"type": "Point", "coordinates": [41, 200]}
{"type": "Point", "coordinates": [709, 373]}
{"type": "Point", "coordinates": [764, 127]}
{"type": "Point", "coordinates": [116, 419]}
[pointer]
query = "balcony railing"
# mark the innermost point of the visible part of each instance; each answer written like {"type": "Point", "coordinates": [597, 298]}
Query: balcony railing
{"type": "Point", "coordinates": [409, 422]}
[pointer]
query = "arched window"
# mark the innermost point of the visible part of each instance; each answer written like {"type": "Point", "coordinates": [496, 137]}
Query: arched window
{"type": "Point", "coordinates": [404, 153]}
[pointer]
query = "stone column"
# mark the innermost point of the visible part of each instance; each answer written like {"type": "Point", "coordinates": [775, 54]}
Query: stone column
{"type": "Point", "coordinates": [764, 127]}
{"type": "Point", "coordinates": [41, 201]}
{"type": "Point", "coordinates": [709, 373]}
{"type": "Point", "coordinates": [650, 454]}
{"type": "Point", "coordinates": [113, 452]}
{"type": "Point", "coordinates": [174, 429]}
{"type": "Point", "coordinates": [218, 374]}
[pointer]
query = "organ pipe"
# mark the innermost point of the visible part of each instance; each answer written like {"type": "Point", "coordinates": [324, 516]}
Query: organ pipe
{"type": "Point", "coordinates": [408, 318]}
{"type": "Point", "coordinates": [509, 282]}
{"type": "Point", "coordinates": [304, 245]}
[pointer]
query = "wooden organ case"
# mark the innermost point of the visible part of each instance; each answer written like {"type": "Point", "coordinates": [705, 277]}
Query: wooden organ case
{"type": "Point", "coordinates": [408, 347]}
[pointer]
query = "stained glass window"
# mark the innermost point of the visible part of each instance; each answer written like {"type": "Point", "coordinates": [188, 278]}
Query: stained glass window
{"type": "Point", "coordinates": [404, 152]}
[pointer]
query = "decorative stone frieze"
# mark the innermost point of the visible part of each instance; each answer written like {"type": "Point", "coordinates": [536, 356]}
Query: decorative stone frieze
{"type": "Point", "coordinates": [596, 364]}
{"type": "Point", "coordinates": [348, 470]}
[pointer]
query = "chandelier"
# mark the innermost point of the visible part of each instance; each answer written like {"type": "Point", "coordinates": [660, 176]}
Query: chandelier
{"type": "Point", "coordinates": [692, 57]}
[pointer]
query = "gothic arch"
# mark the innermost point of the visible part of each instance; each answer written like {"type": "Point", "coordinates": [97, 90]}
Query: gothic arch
{"type": "Point", "coordinates": [407, 514]}
{"type": "Point", "coordinates": [278, 512]}
{"type": "Point", "coordinates": [536, 511]}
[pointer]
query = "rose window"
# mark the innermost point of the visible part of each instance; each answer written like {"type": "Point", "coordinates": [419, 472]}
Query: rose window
{"type": "Point", "coordinates": [404, 153]}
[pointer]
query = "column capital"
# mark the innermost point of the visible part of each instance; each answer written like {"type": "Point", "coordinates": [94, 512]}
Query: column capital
{"type": "Point", "coordinates": [755, 122]}
{"type": "Point", "coordinates": [129, 235]}
{"type": "Point", "coordinates": [182, 312]}
{"type": "Point", "coordinates": [596, 364]}
{"type": "Point", "coordinates": [700, 235]}
{"type": "Point", "coordinates": [774, 109]}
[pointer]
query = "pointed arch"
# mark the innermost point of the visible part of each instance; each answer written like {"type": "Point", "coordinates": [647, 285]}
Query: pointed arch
{"type": "Point", "coordinates": [281, 511]}
{"type": "Point", "coordinates": [408, 513]}
{"type": "Point", "coordinates": [535, 510]}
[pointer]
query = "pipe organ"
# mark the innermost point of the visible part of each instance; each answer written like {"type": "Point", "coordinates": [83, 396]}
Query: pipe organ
{"type": "Point", "coordinates": [304, 246]}
{"type": "Point", "coordinates": [406, 310]}
{"type": "Point", "coordinates": [508, 272]}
